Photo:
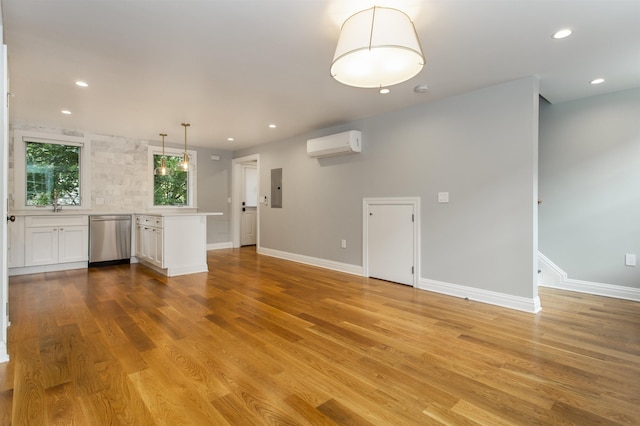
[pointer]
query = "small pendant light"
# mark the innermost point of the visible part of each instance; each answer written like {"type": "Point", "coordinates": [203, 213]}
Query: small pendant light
{"type": "Point", "coordinates": [185, 157]}
{"type": "Point", "coordinates": [163, 170]}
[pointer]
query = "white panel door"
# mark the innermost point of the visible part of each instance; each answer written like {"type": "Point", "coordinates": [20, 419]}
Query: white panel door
{"type": "Point", "coordinates": [390, 242]}
{"type": "Point", "coordinates": [248, 226]}
{"type": "Point", "coordinates": [249, 215]}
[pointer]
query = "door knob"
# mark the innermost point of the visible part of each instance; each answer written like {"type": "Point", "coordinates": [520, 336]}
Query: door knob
{"type": "Point", "coordinates": [11, 218]}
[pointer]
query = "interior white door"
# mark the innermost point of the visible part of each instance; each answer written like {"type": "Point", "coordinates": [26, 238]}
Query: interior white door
{"type": "Point", "coordinates": [248, 227]}
{"type": "Point", "coordinates": [249, 215]}
{"type": "Point", "coordinates": [390, 242]}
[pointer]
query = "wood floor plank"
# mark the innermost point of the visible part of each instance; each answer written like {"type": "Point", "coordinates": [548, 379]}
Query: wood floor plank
{"type": "Point", "coordinates": [262, 341]}
{"type": "Point", "coordinates": [6, 406]}
{"type": "Point", "coordinates": [62, 406]}
{"type": "Point", "coordinates": [28, 393]}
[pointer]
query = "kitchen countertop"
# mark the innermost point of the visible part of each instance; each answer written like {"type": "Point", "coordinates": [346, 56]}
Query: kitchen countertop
{"type": "Point", "coordinates": [63, 212]}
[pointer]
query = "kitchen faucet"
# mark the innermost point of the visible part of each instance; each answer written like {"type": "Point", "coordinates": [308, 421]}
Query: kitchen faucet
{"type": "Point", "coordinates": [56, 205]}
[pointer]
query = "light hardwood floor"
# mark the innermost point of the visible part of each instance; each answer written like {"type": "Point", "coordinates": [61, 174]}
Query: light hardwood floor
{"type": "Point", "coordinates": [259, 340]}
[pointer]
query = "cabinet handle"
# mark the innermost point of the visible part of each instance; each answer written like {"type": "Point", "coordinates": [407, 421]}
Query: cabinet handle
{"type": "Point", "coordinates": [62, 229]}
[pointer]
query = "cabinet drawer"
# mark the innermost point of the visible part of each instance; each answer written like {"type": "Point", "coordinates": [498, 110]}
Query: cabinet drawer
{"type": "Point", "coordinates": [38, 221]}
{"type": "Point", "coordinates": [155, 221]}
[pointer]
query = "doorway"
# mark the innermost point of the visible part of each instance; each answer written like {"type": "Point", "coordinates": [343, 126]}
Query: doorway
{"type": "Point", "coordinates": [391, 231]}
{"type": "Point", "coordinates": [240, 168]}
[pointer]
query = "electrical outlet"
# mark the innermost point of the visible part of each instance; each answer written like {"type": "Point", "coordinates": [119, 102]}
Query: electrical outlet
{"type": "Point", "coordinates": [343, 243]}
{"type": "Point", "coordinates": [630, 259]}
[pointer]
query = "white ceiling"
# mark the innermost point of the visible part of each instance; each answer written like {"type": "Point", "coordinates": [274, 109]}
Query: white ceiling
{"type": "Point", "coordinates": [232, 67]}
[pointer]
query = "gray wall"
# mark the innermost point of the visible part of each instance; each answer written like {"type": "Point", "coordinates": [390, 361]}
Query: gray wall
{"type": "Point", "coordinates": [481, 147]}
{"type": "Point", "coordinates": [590, 186]}
{"type": "Point", "coordinates": [214, 188]}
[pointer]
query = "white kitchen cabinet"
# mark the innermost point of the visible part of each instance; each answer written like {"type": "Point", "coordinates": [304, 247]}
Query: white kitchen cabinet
{"type": "Point", "coordinates": [41, 245]}
{"type": "Point", "coordinates": [172, 244]}
{"type": "Point", "coordinates": [149, 242]}
{"type": "Point", "coordinates": [73, 244]}
{"type": "Point", "coordinates": [50, 240]}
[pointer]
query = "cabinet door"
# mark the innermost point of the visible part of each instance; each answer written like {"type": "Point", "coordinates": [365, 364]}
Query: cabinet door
{"type": "Point", "coordinates": [73, 244]}
{"type": "Point", "coordinates": [41, 246]}
{"type": "Point", "coordinates": [148, 243]}
{"type": "Point", "coordinates": [159, 249]}
{"type": "Point", "coordinates": [139, 240]}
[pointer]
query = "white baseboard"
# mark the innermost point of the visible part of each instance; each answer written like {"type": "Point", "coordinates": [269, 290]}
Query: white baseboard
{"type": "Point", "coordinates": [47, 268]}
{"type": "Point", "coordinates": [313, 261]}
{"type": "Point", "coordinates": [220, 246]}
{"type": "Point", "coordinates": [499, 299]}
{"type": "Point", "coordinates": [480, 295]}
{"type": "Point", "coordinates": [553, 276]}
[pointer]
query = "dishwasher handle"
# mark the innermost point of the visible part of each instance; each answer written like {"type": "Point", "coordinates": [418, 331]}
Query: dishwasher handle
{"type": "Point", "coordinates": [109, 218]}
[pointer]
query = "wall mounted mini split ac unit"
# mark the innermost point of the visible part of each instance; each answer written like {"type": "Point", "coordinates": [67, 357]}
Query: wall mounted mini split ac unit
{"type": "Point", "coordinates": [338, 144]}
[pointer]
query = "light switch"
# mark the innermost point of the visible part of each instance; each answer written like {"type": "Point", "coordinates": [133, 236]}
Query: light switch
{"type": "Point", "coordinates": [443, 197]}
{"type": "Point", "coordinates": [630, 259]}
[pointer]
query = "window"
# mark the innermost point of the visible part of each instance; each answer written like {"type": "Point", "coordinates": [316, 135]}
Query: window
{"type": "Point", "coordinates": [53, 174]}
{"type": "Point", "coordinates": [51, 168]}
{"type": "Point", "coordinates": [176, 189]}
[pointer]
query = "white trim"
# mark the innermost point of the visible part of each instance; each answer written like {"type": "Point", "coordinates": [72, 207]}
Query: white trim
{"type": "Point", "coordinates": [485, 296]}
{"type": "Point", "coordinates": [553, 276]}
{"type": "Point", "coordinates": [236, 197]}
{"type": "Point", "coordinates": [4, 355]}
{"type": "Point", "coordinates": [313, 261]}
{"type": "Point", "coordinates": [174, 272]}
{"type": "Point", "coordinates": [47, 268]}
{"type": "Point", "coordinates": [4, 195]}
{"type": "Point", "coordinates": [220, 246]}
{"type": "Point", "coordinates": [413, 201]}
{"type": "Point", "coordinates": [192, 176]}
{"type": "Point", "coordinates": [19, 171]}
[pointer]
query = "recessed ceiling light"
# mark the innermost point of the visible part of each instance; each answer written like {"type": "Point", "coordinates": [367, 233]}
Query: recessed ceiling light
{"type": "Point", "coordinates": [272, 126]}
{"type": "Point", "coordinates": [82, 84]}
{"type": "Point", "coordinates": [562, 34]}
{"type": "Point", "coordinates": [597, 81]}
{"type": "Point", "coordinates": [421, 88]}
{"type": "Point", "coordinates": [384, 91]}
{"type": "Point", "coordinates": [230, 139]}
{"type": "Point", "coordinates": [66, 112]}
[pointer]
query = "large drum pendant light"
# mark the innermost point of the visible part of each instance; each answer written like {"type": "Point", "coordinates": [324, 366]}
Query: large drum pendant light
{"type": "Point", "coordinates": [377, 47]}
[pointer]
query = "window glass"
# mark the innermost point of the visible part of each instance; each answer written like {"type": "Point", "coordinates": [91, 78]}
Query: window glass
{"type": "Point", "coordinates": [52, 169]}
{"type": "Point", "coordinates": [172, 189]}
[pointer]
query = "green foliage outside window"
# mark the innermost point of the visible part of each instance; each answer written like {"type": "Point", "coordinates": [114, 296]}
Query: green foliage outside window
{"type": "Point", "coordinates": [172, 189]}
{"type": "Point", "coordinates": [52, 167]}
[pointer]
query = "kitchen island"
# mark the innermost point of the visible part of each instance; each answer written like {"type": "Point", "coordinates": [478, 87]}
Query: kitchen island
{"type": "Point", "coordinates": [172, 243]}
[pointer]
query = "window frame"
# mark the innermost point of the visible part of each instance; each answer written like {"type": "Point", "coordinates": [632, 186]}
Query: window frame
{"type": "Point", "coordinates": [192, 176]}
{"type": "Point", "coordinates": [20, 138]}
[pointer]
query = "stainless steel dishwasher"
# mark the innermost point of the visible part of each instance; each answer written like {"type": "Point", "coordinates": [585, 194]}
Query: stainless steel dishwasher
{"type": "Point", "coordinates": [109, 239]}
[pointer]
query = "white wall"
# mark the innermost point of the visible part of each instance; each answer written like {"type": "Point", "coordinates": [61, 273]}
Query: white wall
{"type": "Point", "coordinates": [481, 147]}
{"type": "Point", "coordinates": [590, 187]}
